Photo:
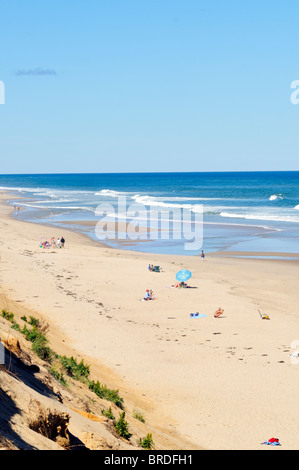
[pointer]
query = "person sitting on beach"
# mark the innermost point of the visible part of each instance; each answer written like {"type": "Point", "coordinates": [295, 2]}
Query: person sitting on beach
{"type": "Point", "coordinates": [218, 312]}
{"type": "Point", "coordinates": [183, 284]}
{"type": "Point", "coordinates": [148, 295]}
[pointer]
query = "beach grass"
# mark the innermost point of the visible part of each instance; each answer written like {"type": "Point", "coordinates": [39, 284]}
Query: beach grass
{"type": "Point", "coordinates": [70, 365]}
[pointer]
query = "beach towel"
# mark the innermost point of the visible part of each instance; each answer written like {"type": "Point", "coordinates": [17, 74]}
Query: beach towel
{"type": "Point", "coordinates": [196, 315]}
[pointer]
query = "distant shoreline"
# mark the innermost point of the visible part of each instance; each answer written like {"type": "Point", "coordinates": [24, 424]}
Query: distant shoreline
{"type": "Point", "coordinates": [244, 212]}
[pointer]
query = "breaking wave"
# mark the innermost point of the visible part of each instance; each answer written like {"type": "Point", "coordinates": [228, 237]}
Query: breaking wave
{"type": "Point", "coordinates": [273, 197]}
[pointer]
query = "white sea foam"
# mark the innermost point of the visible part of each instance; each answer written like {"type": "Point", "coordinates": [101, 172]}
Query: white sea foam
{"type": "Point", "coordinates": [162, 200]}
{"type": "Point", "coordinates": [110, 193]}
{"type": "Point", "coordinates": [47, 192]}
{"type": "Point", "coordinates": [152, 201]}
{"type": "Point", "coordinates": [57, 201]}
{"type": "Point", "coordinates": [261, 216]}
{"type": "Point", "coordinates": [20, 190]}
{"type": "Point", "coordinates": [36, 206]}
{"type": "Point", "coordinates": [273, 197]}
{"type": "Point", "coordinates": [177, 198]}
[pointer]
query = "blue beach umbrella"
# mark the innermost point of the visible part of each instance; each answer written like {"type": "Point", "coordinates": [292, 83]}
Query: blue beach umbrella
{"type": "Point", "coordinates": [183, 275]}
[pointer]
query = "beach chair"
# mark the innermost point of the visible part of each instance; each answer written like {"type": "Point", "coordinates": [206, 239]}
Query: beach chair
{"type": "Point", "coordinates": [264, 317]}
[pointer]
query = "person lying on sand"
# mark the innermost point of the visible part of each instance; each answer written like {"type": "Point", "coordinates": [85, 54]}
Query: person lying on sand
{"type": "Point", "coordinates": [180, 284]}
{"type": "Point", "coordinates": [218, 312]}
{"type": "Point", "coordinates": [183, 284]}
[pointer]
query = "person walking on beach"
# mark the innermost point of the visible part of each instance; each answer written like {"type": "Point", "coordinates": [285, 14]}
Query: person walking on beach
{"type": "Point", "coordinates": [202, 255]}
{"type": "Point", "coordinates": [62, 241]}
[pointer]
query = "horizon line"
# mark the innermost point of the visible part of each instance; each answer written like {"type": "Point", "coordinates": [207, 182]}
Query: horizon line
{"type": "Point", "coordinates": [147, 172]}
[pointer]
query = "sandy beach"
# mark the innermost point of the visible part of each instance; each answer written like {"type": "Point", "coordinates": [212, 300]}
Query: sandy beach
{"type": "Point", "coordinates": [201, 382]}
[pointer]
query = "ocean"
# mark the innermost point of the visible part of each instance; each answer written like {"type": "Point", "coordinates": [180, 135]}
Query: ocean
{"type": "Point", "coordinates": [183, 213]}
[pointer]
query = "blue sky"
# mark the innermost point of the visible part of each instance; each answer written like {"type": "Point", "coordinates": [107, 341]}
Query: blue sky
{"type": "Point", "coordinates": [160, 85]}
